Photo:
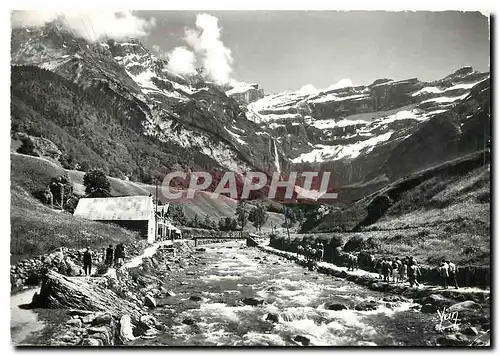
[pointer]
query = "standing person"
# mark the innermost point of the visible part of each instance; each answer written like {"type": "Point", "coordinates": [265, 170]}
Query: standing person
{"type": "Point", "coordinates": [403, 270]}
{"type": "Point", "coordinates": [443, 273]}
{"type": "Point", "coordinates": [109, 256]}
{"type": "Point", "coordinates": [385, 269]}
{"type": "Point", "coordinates": [452, 270]}
{"type": "Point", "coordinates": [87, 262]}
{"type": "Point", "coordinates": [395, 270]}
{"type": "Point", "coordinates": [321, 251]}
{"type": "Point", "coordinates": [117, 254]}
{"type": "Point", "coordinates": [413, 273]}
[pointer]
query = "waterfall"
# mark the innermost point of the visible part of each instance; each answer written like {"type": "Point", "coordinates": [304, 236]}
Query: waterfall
{"type": "Point", "coordinates": [276, 157]}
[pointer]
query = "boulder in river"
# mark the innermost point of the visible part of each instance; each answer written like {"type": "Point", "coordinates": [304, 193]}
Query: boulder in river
{"type": "Point", "coordinates": [252, 301]}
{"type": "Point", "coordinates": [366, 306]}
{"type": "Point", "coordinates": [88, 341]}
{"type": "Point", "coordinates": [188, 321]}
{"type": "Point", "coordinates": [336, 306]}
{"type": "Point", "coordinates": [272, 317]}
{"type": "Point", "coordinates": [470, 330]}
{"type": "Point", "coordinates": [195, 298]}
{"type": "Point", "coordinates": [428, 308]}
{"type": "Point", "coordinates": [437, 300]}
{"type": "Point", "coordinates": [302, 340]}
{"type": "Point", "coordinates": [462, 306]}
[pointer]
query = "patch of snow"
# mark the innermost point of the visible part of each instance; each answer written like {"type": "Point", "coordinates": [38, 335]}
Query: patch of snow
{"type": "Point", "coordinates": [334, 97]}
{"type": "Point", "coordinates": [104, 44]}
{"type": "Point", "coordinates": [331, 123]}
{"type": "Point", "coordinates": [465, 86]}
{"type": "Point", "coordinates": [446, 99]}
{"type": "Point", "coordinates": [220, 152]}
{"type": "Point", "coordinates": [434, 90]}
{"type": "Point", "coordinates": [241, 87]}
{"type": "Point", "coordinates": [236, 137]}
{"type": "Point", "coordinates": [323, 152]}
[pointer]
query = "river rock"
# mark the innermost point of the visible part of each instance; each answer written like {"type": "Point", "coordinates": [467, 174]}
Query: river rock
{"type": "Point", "coordinates": [428, 308]}
{"type": "Point", "coordinates": [366, 306]}
{"type": "Point", "coordinates": [452, 340]}
{"type": "Point", "coordinates": [302, 339]}
{"type": "Point", "coordinates": [75, 322]}
{"type": "Point", "coordinates": [471, 330]}
{"type": "Point", "coordinates": [201, 249]}
{"type": "Point", "coordinates": [336, 306]}
{"type": "Point", "coordinates": [467, 305]}
{"type": "Point", "coordinates": [167, 293]}
{"type": "Point", "coordinates": [149, 301]}
{"type": "Point", "coordinates": [437, 300]}
{"type": "Point", "coordinates": [272, 317]}
{"type": "Point", "coordinates": [252, 301]}
{"type": "Point", "coordinates": [101, 333]}
{"type": "Point", "coordinates": [126, 331]}
{"type": "Point", "coordinates": [88, 341]}
{"type": "Point", "coordinates": [102, 319]}
{"type": "Point", "coordinates": [195, 298]}
{"type": "Point", "coordinates": [87, 319]}
{"type": "Point", "coordinates": [188, 321]}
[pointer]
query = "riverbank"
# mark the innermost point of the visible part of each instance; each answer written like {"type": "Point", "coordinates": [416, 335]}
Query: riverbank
{"type": "Point", "coordinates": [78, 321]}
{"type": "Point", "coordinates": [473, 303]}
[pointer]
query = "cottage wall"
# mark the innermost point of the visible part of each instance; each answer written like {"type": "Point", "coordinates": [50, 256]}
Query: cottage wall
{"type": "Point", "coordinates": [151, 229]}
{"type": "Point", "coordinates": [140, 226]}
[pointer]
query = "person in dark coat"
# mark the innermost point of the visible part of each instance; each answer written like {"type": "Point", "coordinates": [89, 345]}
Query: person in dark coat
{"type": "Point", "coordinates": [87, 262]}
{"type": "Point", "coordinates": [109, 255]}
{"type": "Point", "coordinates": [386, 269]}
{"type": "Point", "coordinates": [117, 254]}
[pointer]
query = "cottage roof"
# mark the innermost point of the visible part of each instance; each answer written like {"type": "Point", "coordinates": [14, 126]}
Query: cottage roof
{"type": "Point", "coordinates": [116, 208]}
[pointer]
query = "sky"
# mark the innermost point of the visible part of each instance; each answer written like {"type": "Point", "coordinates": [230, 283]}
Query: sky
{"type": "Point", "coordinates": [285, 50]}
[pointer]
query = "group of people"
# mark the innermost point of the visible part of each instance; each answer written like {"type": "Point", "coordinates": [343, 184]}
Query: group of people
{"type": "Point", "coordinates": [315, 252]}
{"type": "Point", "coordinates": [113, 257]}
{"type": "Point", "coordinates": [117, 256]}
{"type": "Point", "coordinates": [399, 269]}
{"type": "Point", "coordinates": [448, 272]}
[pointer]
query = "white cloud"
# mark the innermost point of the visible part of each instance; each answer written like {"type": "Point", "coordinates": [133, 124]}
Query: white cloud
{"type": "Point", "coordinates": [308, 89]}
{"type": "Point", "coordinates": [181, 61]}
{"type": "Point", "coordinates": [206, 42]}
{"type": "Point", "coordinates": [92, 25]}
{"type": "Point", "coordinates": [343, 83]}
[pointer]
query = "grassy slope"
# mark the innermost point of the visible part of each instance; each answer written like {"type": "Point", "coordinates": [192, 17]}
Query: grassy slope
{"type": "Point", "coordinates": [37, 229]}
{"type": "Point", "coordinates": [446, 213]}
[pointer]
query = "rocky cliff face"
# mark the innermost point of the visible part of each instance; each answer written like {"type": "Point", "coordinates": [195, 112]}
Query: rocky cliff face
{"type": "Point", "coordinates": [369, 135]}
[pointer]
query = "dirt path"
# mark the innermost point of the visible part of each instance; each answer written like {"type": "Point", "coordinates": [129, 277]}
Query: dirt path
{"type": "Point", "coordinates": [25, 322]}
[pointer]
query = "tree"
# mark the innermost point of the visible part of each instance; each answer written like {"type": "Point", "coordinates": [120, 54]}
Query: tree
{"type": "Point", "coordinates": [27, 147]}
{"type": "Point", "coordinates": [196, 221]}
{"type": "Point", "coordinates": [258, 215]}
{"type": "Point", "coordinates": [241, 214]}
{"type": "Point", "coordinates": [61, 189]}
{"type": "Point", "coordinates": [96, 183]}
{"type": "Point", "coordinates": [176, 213]}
